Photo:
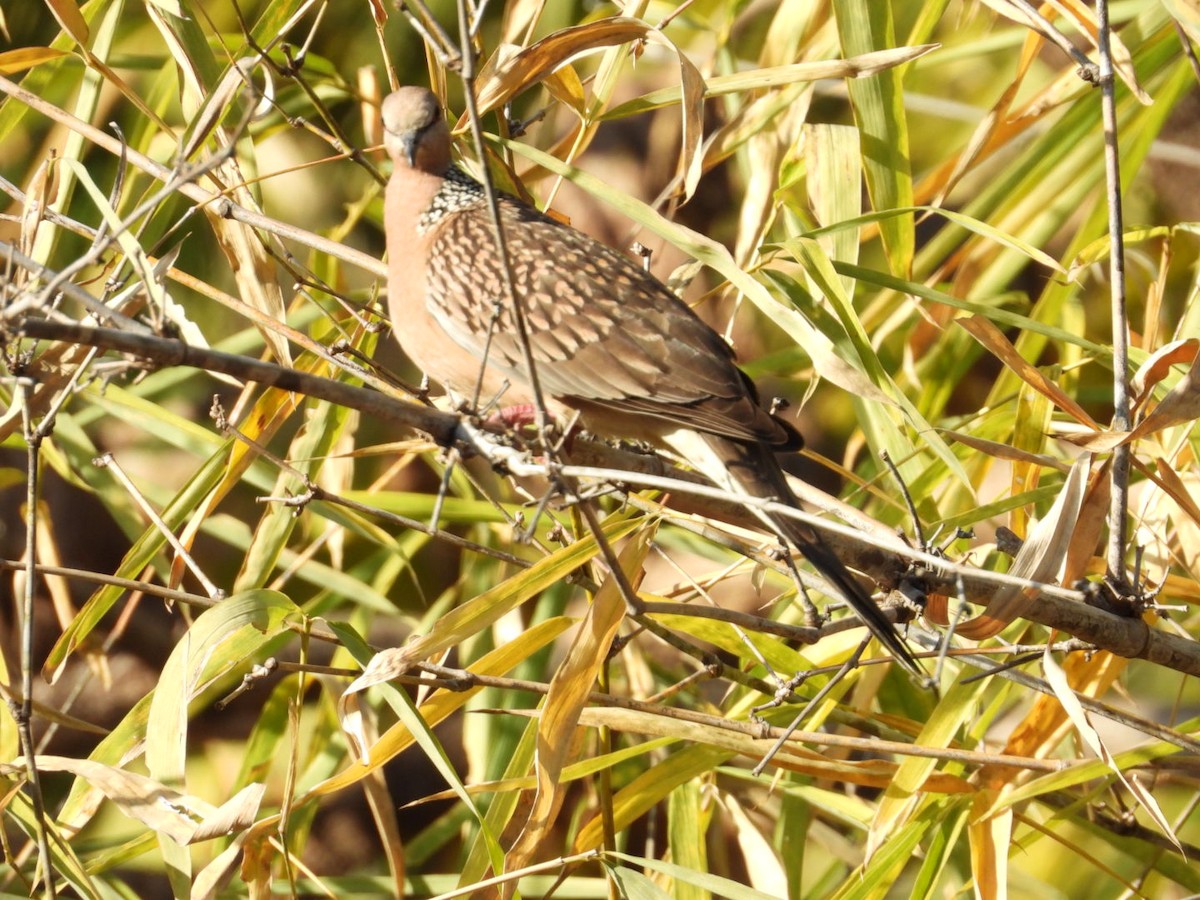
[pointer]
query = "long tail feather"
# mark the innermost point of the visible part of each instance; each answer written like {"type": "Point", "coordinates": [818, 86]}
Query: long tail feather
{"type": "Point", "coordinates": [752, 469]}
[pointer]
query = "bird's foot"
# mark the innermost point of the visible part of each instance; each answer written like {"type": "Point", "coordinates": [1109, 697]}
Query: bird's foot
{"type": "Point", "coordinates": [513, 417]}
{"type": "Point", "coordinates": [524, 415]}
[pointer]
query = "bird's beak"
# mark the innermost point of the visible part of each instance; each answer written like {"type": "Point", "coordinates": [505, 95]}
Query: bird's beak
{"type": "Point", "coordinates": [408, 145]}
{"type": "Point", "coordinates": [402, 145]}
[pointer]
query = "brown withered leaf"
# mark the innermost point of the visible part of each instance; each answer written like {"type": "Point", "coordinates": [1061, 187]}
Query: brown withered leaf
{"type": "Point", "coordinates": [510, 71]}
{"type": "Point", "coordinates": [1040, 558]}
{"type": "Point", "coordinates": [994, 341]}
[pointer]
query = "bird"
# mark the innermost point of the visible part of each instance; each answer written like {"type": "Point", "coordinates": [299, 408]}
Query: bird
{"type": "Point", "coordinates": [611, 344]}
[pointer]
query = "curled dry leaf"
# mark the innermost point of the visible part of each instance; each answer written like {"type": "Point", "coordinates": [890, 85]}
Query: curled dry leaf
{"type": "Point", "coordinates": [569, 689]}
{"type": "Point", "coordinates": [1182, 403]}
{"type": "Point", "coordinates": [1005, 451]}
{"type": "Point", "coordinates": [183, 818]}
{"type": "Point", "coordinates": [992, 128]}
{"type": "Point", "coordinates": [1058, 682]}
{"type": "Point", "coordinates": [510, 69]}
{"type": "Point", "coordinates": [1084, 20]}
{"type": "Point", "coordinates": [1040, 558]}
{"type": "Point", "coordinates": [383, 667]}
{"type": "Point", "coordinates": [507, 73]}
{"type": "Point", "coordinates": [1155, 369]}
{"type": "Point", "coordinates": [1169, 526]}
{"type": "Point", "coordinates": [1175, 487]}
{"type": "Point", "coordinates": [1187, 14]}
{"type": "Point", "coordinates": [41, 195]}
{"type": "Point", "coordinates": [860, 66]}
{"type": "Point", "coordinates": [252, 266]}
{"type": "Point", "coordinates": [1096, 442]}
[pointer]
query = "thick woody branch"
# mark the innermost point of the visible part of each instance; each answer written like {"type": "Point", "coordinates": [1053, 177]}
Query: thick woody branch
{"type": "Point", "coordinates": [163, 352]}
{"type": "Point", "coordinates": [892, 564]}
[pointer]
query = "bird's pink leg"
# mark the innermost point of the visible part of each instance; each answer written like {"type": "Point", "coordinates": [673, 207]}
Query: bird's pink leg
{"type": "Point", "coordinates": [524, 415]}
{"type": "Point", "coordinates": [512, 417]}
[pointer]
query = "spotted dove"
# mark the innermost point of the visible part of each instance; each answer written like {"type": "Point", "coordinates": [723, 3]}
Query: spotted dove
{"type": "Point", "coordinates": [608, 340]}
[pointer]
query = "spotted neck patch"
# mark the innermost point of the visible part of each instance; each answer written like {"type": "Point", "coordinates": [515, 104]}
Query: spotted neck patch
{"type": "Point", "coordinates": [459, 192]}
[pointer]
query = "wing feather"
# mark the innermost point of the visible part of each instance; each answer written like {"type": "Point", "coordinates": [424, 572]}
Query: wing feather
{"type": "Point", "coordinates": [604, 333]}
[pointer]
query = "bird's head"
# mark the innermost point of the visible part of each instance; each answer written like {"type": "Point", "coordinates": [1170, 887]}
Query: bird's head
{"type": "Point", "coordinates": [415, 133]}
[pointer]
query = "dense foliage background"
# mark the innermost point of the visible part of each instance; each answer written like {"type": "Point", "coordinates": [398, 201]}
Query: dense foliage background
{"type": "Point", "coordinates": [896, 211]}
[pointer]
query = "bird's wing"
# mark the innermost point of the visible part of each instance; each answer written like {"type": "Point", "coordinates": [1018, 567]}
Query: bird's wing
{"type": "Point", "coordinates": [602, 331]}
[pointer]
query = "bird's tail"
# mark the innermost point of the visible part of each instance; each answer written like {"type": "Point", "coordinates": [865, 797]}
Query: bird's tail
{"type": "Point", "coordinates": [752, 469]}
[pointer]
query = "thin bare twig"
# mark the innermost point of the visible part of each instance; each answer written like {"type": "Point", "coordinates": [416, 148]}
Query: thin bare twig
{"type": "Point", "coordinates": [313, 492]}
{"type": "Point", "coordinates": [762, 733]}
{"type": "Point", "coordinates": [918, 531]}
{"type": "Point", "coordinates": [24, 714]}
{"type": "Point", "coordinates": [788, 730]}
{"type": "Point", "coordinates": [1188, 50]}
{"type": "Point", "coordinates": [1046, 29]}
{"type": "Point", "coordinates": [1119, 503]}
{"type": "Point", "coordinates": [107, 461]}
{"type": "Point", "coordinates": [509, 293]}
{"type": "Point", "coordinates": [11, 256]}
{"type": "Point", "coordinates": [426, 24]}
{"type": "Point", "coordinates": [224, 205]}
